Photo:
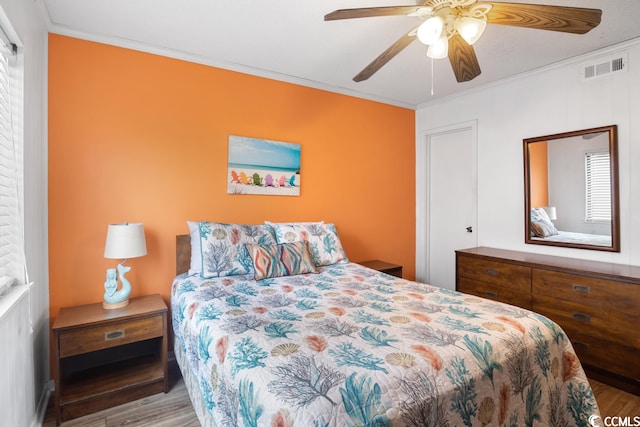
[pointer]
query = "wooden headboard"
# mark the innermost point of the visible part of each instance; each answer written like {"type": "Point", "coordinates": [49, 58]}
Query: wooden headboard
{"type": "Point", "coordinates": [183, 253]}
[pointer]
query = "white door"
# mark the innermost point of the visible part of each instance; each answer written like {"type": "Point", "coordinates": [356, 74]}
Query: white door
{"type": "Point", "coordinates": [447, 196]}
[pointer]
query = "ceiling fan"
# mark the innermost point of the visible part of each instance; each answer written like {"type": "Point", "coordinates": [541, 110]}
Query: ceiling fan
{"type": "Point", "coordinates": [451, 27]}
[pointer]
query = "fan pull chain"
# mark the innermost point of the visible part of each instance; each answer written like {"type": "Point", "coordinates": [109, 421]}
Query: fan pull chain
{"type": "Point", "coordinates": [431, 76]}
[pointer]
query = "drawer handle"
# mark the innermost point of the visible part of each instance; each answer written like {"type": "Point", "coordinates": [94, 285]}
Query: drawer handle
{"type": "Point", "coordinates": [491, 271]}
{"type": "Point", "coordinates": [491, 294]}
{"type": "Point", "coordinates": [114, 335]}
{"type": "Point", "coordinates": [581, 289]}
{"type": "Point", "coordinates": [581, 345]}
{"type": "Point", "coordinates": [581, 317]}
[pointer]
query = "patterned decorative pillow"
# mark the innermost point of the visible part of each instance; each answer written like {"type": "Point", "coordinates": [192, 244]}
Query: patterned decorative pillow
{"type": "Point", "coordinates": [324, 243]}
{"type": "Point", "coordinates": [224, 247]}
{"type": "Point", "coordinates": [288, 259]}
{"type": "Point", "coordinates": [541, 225]}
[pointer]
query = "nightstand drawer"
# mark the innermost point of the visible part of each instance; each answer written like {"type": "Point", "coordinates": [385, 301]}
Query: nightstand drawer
{"type": "Point", "coordinates": [114, 334]}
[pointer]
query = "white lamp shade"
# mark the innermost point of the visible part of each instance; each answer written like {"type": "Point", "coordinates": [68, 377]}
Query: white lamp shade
{"type": "Point", "coordinates": [551, 212]}
{"type": "Point", "coordinates": [439, 49]}
{"type": "Point", "coordinates": [430, 30]}
{"type": "Point", "coordinates": [470, 28]}
{"type": "Point", "coordinates": [125, 241]}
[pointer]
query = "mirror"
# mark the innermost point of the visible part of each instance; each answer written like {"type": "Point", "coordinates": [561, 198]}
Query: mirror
{"type": "Point", "coordinates": [571, 189]}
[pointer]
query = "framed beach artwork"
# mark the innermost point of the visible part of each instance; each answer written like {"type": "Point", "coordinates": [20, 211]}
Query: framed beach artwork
{"type": "Point", "coordinates": [260, 166]}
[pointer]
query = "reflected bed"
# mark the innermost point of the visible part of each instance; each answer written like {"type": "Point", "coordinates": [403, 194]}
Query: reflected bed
{"type": "Point", "coordinates": [577, 238]}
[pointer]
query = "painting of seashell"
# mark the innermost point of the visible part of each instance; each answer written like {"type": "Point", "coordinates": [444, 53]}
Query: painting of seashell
{"type": "Point", "coordinates": [494, 326]}
{"type": "Point", "coordinates": [398, 283]}
{"type": "Point", "coordinates": [401, 359]}
{"type": "Point", "coordinates": [268, 291]}
{"type": "Point", "coordinates": [289, 236]}
{"type": "Point", "coordinates": [473, 300]}
{"type": "Point", "coordinates": [400, 319]}
{"type": "Point", "coordinates": [219, 233]}
{"type": "Point", "coordinates": [315, 315]}
{"type": "Point", "coordinates": [400, 298]}
{"type": "Point", "coordinates": [285, 349]}
{"type": "Point", "coordinates": [236, 312]}
{"type": "Point", "coordinates": [332, 294]}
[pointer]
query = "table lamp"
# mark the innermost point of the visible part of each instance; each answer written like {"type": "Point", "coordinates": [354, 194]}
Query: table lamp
{"type": "Point", "coordinates": [124, 241]}
{"type": "Point", "coordinates": [551, 212]}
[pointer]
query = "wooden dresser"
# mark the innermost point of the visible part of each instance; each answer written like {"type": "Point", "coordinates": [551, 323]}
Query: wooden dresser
{"type": "Point", "coordinates": [596, 303]}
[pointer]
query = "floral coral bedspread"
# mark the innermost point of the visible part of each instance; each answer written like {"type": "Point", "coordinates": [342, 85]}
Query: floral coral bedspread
{"type": "Point", "coordinates": [353, 347]}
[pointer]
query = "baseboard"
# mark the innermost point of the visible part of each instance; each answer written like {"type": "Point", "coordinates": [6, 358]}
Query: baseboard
{"type": "Point", "coordinates": [41, 410]}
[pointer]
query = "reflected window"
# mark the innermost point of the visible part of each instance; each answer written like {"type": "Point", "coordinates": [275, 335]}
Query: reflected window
{"type": "Point", "coordinates": [598, 187]}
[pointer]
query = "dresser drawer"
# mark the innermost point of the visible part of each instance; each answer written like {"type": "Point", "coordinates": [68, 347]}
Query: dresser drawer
{"type": "Point", "coordinates": [603, 294]}
{"type": "Point", "coordinates": [494, 292]}
{"type": "Point", "coordinates": [516, 277]}
{"type": "Point", "coordinates": [606, 355]}
{"type": "Point", "coordinates": [110, 335]}
{"type": "Point", "coordinates": [597, 322]}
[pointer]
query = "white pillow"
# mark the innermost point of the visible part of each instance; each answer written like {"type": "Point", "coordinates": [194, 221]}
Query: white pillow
{"type": "Point", "coordinates": [196, 252]}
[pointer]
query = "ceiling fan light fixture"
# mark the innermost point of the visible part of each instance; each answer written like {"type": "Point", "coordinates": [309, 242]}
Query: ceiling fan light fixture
{"type": "Point", "coordinates": [439, 49]}
{"type": "Point", "coordinates": [470, 29]}
{"type": "Point", "coordinates": [430, 30]}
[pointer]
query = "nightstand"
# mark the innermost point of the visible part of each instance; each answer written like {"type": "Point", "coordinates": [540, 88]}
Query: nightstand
{"type": "Point", "coordinates": [104, 358]}
{"type": "Point", "coordinates": [384, 267]}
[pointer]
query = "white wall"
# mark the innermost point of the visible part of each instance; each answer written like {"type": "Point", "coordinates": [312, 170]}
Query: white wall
{"type": "Point", "coordinates": [552, 100]}
{"type": "Point", "coordinates": [27, 20]}
{"type": "Point", "coordinates": [567, 183]}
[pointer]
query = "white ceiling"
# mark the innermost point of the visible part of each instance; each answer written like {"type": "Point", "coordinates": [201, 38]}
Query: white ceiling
{"type": "Point", "coordinates": [289, 40]}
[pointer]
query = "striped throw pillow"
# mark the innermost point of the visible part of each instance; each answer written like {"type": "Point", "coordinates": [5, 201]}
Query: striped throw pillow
{"type": "Point", "coordinates": [287, 259]}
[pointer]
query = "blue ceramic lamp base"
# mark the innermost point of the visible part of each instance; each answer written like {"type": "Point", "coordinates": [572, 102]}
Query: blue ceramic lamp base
{"type": "Point", "coordinates": [114, 297]}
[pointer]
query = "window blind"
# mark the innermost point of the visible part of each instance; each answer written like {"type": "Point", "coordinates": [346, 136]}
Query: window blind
{"type": "Point", "coordinates": [598, 183]}
{"type": "Point", "coordinates": [11, 249]}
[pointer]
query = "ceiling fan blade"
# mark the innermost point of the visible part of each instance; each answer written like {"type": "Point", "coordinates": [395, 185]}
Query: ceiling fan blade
{"type": "Point", "coordinates": [576, 20]}
{"type": "Point", "coordinates": [463, 59]}
{"type": "Point", "coordinates": [386, 56]}
{"type": "Point", "coordinates": [368, 12]}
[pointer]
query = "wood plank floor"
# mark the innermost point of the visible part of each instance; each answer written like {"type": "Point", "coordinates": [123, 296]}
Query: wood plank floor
{"type": "Point", "coordinates": [174, 408]}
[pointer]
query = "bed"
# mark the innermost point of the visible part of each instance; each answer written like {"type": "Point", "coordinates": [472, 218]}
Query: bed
{"type": "Point", "coordinates": [577, 238]}
{"type": "Point", "coordinates": [349, 346]}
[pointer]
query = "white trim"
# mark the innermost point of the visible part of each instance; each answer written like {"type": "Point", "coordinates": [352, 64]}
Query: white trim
{"type": "Point", "coordinates": [8, 301]}
{"type": "Point", "coordinates": [41, 409]}
{"type": "Point", "coordinates": [423, 149]}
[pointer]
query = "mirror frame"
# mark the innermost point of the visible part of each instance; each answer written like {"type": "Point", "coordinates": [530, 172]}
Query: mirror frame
{"type": "Point", "coordinates": [615, 199]}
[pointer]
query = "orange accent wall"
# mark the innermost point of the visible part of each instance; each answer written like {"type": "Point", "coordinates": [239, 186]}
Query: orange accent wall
{"type": "Point", "coordinates": [539, 170]}
{"type": "Point", "coordinates": [143, 138]}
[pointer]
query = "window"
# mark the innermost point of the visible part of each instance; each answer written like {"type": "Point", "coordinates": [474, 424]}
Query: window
{"type": "Point", "coordinates": [11, 247]}
{"type": "Point", "coordinates": [598, 183]}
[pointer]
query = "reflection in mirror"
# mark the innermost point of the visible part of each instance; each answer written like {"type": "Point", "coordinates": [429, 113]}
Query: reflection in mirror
{"type": "Point", "coordinates": [571, 189]}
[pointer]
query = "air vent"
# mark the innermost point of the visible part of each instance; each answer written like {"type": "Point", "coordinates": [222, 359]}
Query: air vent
{"type": "Point", "coordinates": [604, 66]}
